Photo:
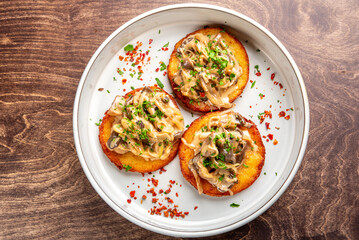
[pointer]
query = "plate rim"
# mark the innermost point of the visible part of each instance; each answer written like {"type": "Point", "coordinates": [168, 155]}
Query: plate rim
{"type": "Point", "coordinates": [234, 225]}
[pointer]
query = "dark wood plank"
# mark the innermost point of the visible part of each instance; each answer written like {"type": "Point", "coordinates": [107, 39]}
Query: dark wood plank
{"type": "Point", "coordinates": [44, 48]}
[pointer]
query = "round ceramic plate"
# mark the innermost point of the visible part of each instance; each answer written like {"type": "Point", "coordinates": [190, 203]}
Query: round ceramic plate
{"type": "Point", "coordinates": [275, 86]}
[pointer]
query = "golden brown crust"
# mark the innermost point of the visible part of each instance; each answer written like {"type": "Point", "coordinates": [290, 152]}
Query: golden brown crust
{"type": "Point", "coordinates": [246, 176]}
{"type": "Point", "coordinates": [137, 163]}
{"type": "Point", "coordinates": [239, 53]}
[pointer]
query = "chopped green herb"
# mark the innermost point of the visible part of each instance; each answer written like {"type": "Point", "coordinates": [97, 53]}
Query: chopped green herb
{"type": "Point", "coordinates": [207, 162]}
{"type": "Point", "coordinates": [159, 83]}
{"type": "Point", "coordinates": [253, 83]}
{"type": "Point", "coordinates": [163, 66]}
{"type": "Point", "coordinates": [258, 50]}
{"type": "Point", "coordinates": [129, 47]}
{"type": "Point", "coordinates": [245, 165]}
{"type": "Point", "coordinates": [234, 205]}
{"type": "Point", "coordinates": [221, 178]}
{"type": "Point", "coordinates": [132, 88]}
{"type": "Point", "coordinates": [127, 167]}
{"type": "Point", "coordinates": [99, 122]}
{"type": "Point", "coordinates": [276, 174]}
{"type": "Point", "coordinates": [159, 31]}
{"type": "Point", "coordinates": [108, 91]}
{"type": "Point", "coordinates": [187, 126]}
{"type": "Point", "coordinates": [166, 45]}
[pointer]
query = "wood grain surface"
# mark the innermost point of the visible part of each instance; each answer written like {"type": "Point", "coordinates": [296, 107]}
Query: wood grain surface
{"type": "Point", "coordinates": [44, 48]}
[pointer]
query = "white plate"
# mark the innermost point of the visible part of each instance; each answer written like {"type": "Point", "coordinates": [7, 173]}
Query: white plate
{"type": "Point", "coordinates": [214, 215]}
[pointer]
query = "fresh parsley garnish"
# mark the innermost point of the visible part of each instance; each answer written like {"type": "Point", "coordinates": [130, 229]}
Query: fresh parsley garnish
{"type": "Point", "coordinates": [99, 122]}
{"type": "Point", "coordinates": [234, 205]}
{"type": "Point", "coordinates": [127, 167]}
{"type": "Point", "coordinates": [159, 83]}
{"type": "Point", "coordinates": [129, 47]}
{"type": "Point", "coordinates": [253, 83]}
{"type": "Point", "coordinates": [163, 66]}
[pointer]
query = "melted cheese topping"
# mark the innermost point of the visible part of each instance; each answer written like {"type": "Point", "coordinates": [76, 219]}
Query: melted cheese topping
{"type": "Point", "coordinates": [146, 124]}
{"type": "Point", "coordinates": [209, 72]}
{"type": "Point", "coordinates": [219, 149]}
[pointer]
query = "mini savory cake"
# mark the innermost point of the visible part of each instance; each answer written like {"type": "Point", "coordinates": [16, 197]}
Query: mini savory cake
{"type": "Point", "coordinates": [221, 153]}
{"type": "Point", "coordinates": [208, 69]}
{"type": "Point", "coordinates": [141, 130]}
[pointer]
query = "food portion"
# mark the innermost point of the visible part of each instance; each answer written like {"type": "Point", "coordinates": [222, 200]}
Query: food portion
{"type": "Point", "coordinates": [141, 130]}
{"type": "Point", "coordinates": [221, 153]}
{"type": "Point", "coordinates": [208, 69]}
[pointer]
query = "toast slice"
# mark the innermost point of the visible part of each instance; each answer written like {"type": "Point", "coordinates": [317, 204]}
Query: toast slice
{"type": "Point", "coordinates": [129, 160]}
{"type": "Point", "coordinates": [247, 170]}
{"type": "Point", "coordinates": [220, 76]}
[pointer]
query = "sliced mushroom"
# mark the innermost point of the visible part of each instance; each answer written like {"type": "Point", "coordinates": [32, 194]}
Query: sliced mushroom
{"type": "Point", "coordinates": [113, 141]}
{"type": "Point", "coordinates": [187, 64]}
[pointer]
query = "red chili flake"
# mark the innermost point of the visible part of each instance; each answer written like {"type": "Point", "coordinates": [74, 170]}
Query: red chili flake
{"type": "Point", "coordinates": [264, 136]}
{"type": "Point", "coordinates": [267, 125]}
{"type": "Point", "coordinates": [157, 69]}
{"type": "Point", "coordinates": [164, 73]}
{"type": "Point", "coordinates": [176, 194]}
{"type": "Point", "coordinates": [168, 191]}
{"type": "Point", "coordinates": [261, 119]}
{"type": "Point", "coordinates": [169, 200]}
{"type": "Point", "coordinates": [272, 76]}
{"type": "Point", "coordinates": [267, 140]}
{"type": "Point", "coordinates": [287, 117]}
{"type": "Point", "coordinates": [202, 94]}
{"type": "Point", "coordinates": [195, 207]}
{"type": "Point", "coordinates": [258, 74]}
{"type": "Point", "coordinates": [270, 136]}
{"type": "Point", "coordinates": [100, 89]}
{"type": "Point", "coordinates": [166, 214]}
{"type": "Point", "coordinates": [154, 182]}
{"type": "Point", "coordinates": [129, 200]}
{"type": "Point", "coordinates": [150, 41]}
{"type": "Point", "coordinates": [250, 81]}
{"type": "Point", "coordinates": [121, 58]}
{"type": "Point", "coordinates": [268, 69]}
{"type": "Point", "coordinates": [268, 113]}
{"type": "Point", "coordinates": [172, 181]}
{"type": "Point", "coordinates": [280, 86]}
{"type": "Point", "coordinates": [144, 197]}
{"type": "Point", "coordinates": [132, 193]}
{"type": "Point", "coordinates": [154, 200]}
{"type": "Point", "coordinates": [281, 114]}
{"type": "Point", "coordinates": [160, 191]}
{"type": "Point", "coordinates": [124, 81]}
{"type": "Point", "coordinates": [275, 142]}
{"type": "Point", "coordinates": [277, 128]}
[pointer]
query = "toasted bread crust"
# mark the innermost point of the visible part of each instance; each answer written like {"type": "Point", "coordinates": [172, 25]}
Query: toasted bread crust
{"type": "Point", "coordinates": [239, 53]}
{"type": "Point", "coordinates": [246, 176]}
{"type": "Point", "coordinates": [137, 163]}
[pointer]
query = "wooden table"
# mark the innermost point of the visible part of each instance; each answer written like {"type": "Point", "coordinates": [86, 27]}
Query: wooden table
{"type": "Point", "coordinates": [44, 48]}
